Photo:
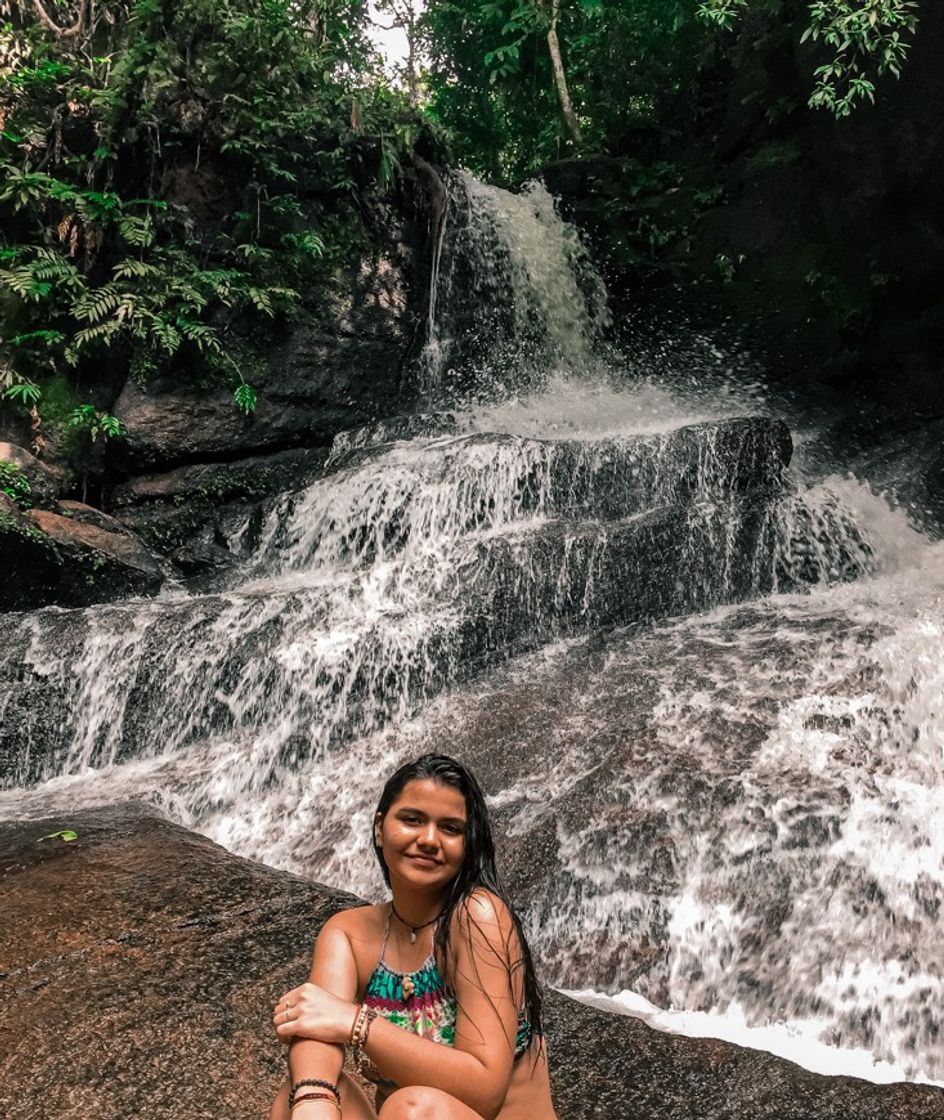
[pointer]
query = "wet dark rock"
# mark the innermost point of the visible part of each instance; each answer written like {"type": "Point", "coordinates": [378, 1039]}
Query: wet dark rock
{"type": "Point", "coordinates": [51, 558]}
{"type": "Point", "coordinates": [45, 483]}
{"type": "Point", "coordinates": [243, 479]}
{"type": "Point", "coordinates": [392, 429]}
{"type": "Point", "coordinates": [203, 558]}
{"type": "Point", "coordinates": [338, 369]}
{"type": "Point", "coordinates": [191, 513]}
{"type": "Point", "coordinates": [162, 968]}
{"type": "Point", "coordinates": [131, 568]}
{"type": "Point", "coordinates": [84, 514]}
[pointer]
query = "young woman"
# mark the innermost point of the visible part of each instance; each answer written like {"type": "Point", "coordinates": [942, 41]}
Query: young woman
{"type": "Point", "coordinates": [436, 988]}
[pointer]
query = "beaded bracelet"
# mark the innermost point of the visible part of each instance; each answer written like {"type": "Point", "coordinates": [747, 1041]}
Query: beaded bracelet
{"type": "Point", "coordinates": [318, 1084]}
{"type": "Point", "coordinates": [362, 1023]}
{"type": "Point", "coordinates": [316, 1097]}
{"type": "Point", "coordinates": [358, 1025]}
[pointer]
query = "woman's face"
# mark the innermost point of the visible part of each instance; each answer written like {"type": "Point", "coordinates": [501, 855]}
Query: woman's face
{"type": "Point", "coordinates": [422, 835]}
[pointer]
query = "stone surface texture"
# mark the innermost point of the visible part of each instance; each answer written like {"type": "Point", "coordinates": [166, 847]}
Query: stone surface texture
{"type": "Point", "coordinates": [139, 964]}
{"type": "Point", "coordinates": [52, 558]}
{"type": "Point", "coordinates": [45, 483]}
{"type": "Point", "coordinates": [190, 513]}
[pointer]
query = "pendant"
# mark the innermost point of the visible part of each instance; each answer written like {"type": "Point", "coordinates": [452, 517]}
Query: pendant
{"type": "Point", "coordinates": [412, 936]}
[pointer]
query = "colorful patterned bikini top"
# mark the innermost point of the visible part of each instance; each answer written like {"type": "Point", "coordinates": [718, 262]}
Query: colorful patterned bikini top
{"type": "Point", "coordinates": [420, 1002]}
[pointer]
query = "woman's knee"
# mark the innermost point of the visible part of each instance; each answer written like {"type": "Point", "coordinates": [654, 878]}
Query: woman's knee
{"type": "Point", "coordinates": [416, 1102]}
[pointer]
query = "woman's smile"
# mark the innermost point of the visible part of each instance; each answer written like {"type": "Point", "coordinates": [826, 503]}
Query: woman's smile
{"type": "Point", "coordinates": [424, 831]}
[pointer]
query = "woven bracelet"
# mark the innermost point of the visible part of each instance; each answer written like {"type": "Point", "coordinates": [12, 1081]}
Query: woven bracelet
{"type": "Point", "coordinates": [317, 1083]}
{"type": "Point", "coordinates": [357, 1026]}
{"type": "Point", "coordinates": [316, 1097]}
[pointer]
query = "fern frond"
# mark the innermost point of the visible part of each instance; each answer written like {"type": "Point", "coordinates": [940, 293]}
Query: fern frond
{"type": "Point", "coordinates": [95, 305]}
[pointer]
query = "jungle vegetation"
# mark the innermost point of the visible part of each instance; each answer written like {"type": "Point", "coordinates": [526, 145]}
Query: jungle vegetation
{"type": "Point", "coordinates": [167, 166]}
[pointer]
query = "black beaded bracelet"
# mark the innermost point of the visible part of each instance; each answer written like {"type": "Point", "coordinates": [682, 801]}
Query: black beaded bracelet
{"type": "Point", "coordinates": [313, 1081]}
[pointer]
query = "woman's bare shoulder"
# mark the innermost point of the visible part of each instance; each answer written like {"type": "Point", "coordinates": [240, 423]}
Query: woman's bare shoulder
{"type": "Point", "coordinates": [484, 919]}
{"type": "Point", "coordinates": [358, 922]}
{"type": "Point", "coordinates": [484, 906]}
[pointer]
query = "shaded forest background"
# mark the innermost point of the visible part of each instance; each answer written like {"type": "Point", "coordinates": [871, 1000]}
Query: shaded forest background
{"type": "Point", "coordinates": [182, 182]}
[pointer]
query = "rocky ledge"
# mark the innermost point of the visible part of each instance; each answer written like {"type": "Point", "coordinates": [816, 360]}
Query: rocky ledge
{"type": "Point", "coordinates": [139, 962]}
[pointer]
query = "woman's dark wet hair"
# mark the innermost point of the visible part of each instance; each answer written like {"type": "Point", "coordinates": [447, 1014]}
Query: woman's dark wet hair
{"type": "Point", "coordinates": [478, 868]}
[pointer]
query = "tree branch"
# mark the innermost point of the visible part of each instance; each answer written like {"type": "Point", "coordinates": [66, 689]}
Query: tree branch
{"type": "Point", "coordinates": [72, 32]}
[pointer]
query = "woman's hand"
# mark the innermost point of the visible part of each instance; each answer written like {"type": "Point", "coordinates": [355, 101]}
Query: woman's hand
{"type": "Point", "coordinates": [311, 1011]}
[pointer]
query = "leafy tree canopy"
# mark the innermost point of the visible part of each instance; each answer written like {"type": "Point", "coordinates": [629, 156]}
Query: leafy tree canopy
{"type": "Point", "coordinates": [627, 63]}
{"type": "Point", "coordinates": [169, 165]}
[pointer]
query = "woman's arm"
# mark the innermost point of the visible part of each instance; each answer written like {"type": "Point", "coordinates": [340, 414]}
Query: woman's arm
{"type": "Point", "coordinates": [333, 969]}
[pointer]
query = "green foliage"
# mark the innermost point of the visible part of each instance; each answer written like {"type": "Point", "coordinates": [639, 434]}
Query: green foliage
{"type": "Point", "coordinates": [775, 153]}
{"type": "Point", "coordinates": [15, 484]}
{"type": "Point", "coordinates": [866, 38]}
{"type": "Point", "coordinates": [630, 65]}
{"type": "Point", "coordinates": [724, 13]}
{"type": "Point", "coordinates": [181, 168]}
{"type": "Point", "coordinates": [245, 397]}
{"type": "Point", "coordinates": [89, 419]}
{"type": "Point", "coordinates": [90, 429]}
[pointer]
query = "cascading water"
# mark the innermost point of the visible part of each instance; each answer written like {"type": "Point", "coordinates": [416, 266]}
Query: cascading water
{"type": "Point", "coordinates": [515, 298]}
{"type": "Point", "coordinates": [726, 803]}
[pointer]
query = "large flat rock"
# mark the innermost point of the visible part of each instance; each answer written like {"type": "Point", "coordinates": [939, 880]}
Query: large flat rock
{"type": "Point", "coordinates": [138, 965]}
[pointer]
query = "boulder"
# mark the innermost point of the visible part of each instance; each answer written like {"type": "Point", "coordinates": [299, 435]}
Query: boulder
{"type": "Point", "coordinates": [335, 370]}
{"type": "Point", "coordinates": [32, 564]}
{"type": "Point", "coordinates": [45, 483]}
{"type": "Point", "coordinates": [242, 480]}
{"type": "Point", "coordinates": [192, 513]}
{"type": "Point", "coordinates": [52, 558]}
{"type": "Point", "coordinates": [140, 963]}
{"type": "Point", "coordinates": [82, 514]}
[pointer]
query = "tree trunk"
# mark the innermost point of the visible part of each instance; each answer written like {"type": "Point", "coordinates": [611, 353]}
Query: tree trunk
{"type": "Point", "coordinates": [73, 32]}
{"type": "Point", "coordinates": [560, 77]}
{"type": "Point", "coordinates": [411, 78]}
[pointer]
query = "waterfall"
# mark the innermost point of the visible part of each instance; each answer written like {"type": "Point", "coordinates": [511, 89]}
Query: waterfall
{"type": "Point", "coordinates": [703, 691]}
{"type": "Point", "coordinates": [514, 296]}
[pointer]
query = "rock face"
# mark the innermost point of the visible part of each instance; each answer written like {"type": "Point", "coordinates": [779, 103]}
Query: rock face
{"type": "Point", "coordinates": [509, 543]}
{"type": "Point", "coordinates": [45, 484]}
{"type": "Point", "coordinates": [157, 956]}
{"type": "Point", "coordinates": [191, 513]}
{"type": "Point", "coordinates": [331, 372]}
{"type": "Point", "coordinates": [194, 468]}
{"type": "Point", "coordinates": [71, 560]}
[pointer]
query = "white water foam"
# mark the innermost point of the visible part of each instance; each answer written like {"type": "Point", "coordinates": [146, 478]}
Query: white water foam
{"type": "Point", "coordinates": [570, 407]}
{"type": "Point", "coordinates": [796, 1040]}
{"type": "Point", "coordinates": [515, 294]}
